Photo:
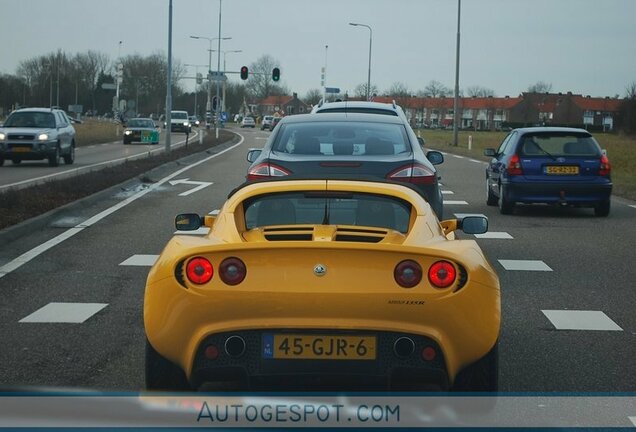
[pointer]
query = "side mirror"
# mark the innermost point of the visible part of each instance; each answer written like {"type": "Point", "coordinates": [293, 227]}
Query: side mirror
{"type": "Point", "coordinates": [421, 141]}
{"type": "Point", "coordinates": [188, 222]}
{"type": "Point", "coordinates": [474, 224]}
{"type": "Point", "coordinates": [253, 154]}
{"type": "Point", "coordinates": [435, 157]}
{"type": "Point", "coordinates": [490, 152]}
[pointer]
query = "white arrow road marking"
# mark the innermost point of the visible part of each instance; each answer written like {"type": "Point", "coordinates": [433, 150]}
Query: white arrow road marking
{"type": "Point", "coordinates": [200, 185]}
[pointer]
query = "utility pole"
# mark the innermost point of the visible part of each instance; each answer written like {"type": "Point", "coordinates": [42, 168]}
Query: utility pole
{"type": "Point", "coordinates": [218, 71]}
{"type": "Point", "coordinates": [169, 82]}
{"type": "Point", "coordinates": [456, 100]}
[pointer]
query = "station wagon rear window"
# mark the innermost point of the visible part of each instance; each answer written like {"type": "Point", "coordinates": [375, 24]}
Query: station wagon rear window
{"type": "Point", "coordinates": [559, 144]}
{"type": "Point", "coordinates": [339, 138]}
{"type": "Point", "coordinates": [327, 208]}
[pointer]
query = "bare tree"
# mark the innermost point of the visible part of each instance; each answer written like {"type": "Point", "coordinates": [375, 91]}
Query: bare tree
{"type": "Point", "coordinates": [435, 89]}
{"type": "Point", "coordinates": [479, 91]}
{"type": "Point", "coordinates": [397, 90]}
{"type": "Point", "coordinates": [361, 90]}
{"type": "Point", "coordinates": [313, 96]}
{"type": "Point", "coordinates": [259, 84]}
{"type": "Point", "coordinates": [630, 90]}
{"type": "Point", "coordinates": [540, 87]}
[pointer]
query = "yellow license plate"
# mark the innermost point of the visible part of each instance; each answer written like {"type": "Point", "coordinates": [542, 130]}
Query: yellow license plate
{"type": "Point", "coordinates": [21, 149]}
{"type": "Point", "coordinates": [562, 170]}
{"type": "Point", "coordinates": [319, 347]}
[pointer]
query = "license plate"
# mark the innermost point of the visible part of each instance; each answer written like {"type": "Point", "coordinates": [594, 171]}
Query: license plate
{"type": "Point", "coordinates": [21, 149]}
{"type": "Point", "coordinates": [319, 347]}
{"type": "Point", "coordinates": [562, 170]}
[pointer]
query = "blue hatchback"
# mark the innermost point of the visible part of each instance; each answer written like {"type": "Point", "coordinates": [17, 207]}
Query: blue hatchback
{"type": "Point", "coordinates": [550, 165]}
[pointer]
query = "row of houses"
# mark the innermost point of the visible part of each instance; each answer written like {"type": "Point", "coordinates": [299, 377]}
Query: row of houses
{"type": "Point", "coordinates": [483, 113]}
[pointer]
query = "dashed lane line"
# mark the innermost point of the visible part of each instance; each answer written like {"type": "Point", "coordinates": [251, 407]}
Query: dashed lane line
{"type": "Point", "coordinates": [141, 260]}
{"type": "Point", "coordinates": [38, 250]}
{"type": "Point", "coordinates": [458, 156]}
{"type": "Point", "coordinates": [447, 192]}
{"type": "Point", "coordinates": [580, 320]}
{"type": "Point", "coordinates": [494, 235]}
{"type": "Point", "coordinates": [524, 265]}
{"type": "Point", "coordinates": [70, 313]}
{"type": "Point", "coordinates": [455, 202]}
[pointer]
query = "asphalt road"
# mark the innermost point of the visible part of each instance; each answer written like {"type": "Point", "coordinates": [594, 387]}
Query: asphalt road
{"type": "Point", "coordinates": [86, 158]}
{"type": "Point", "coordinates": [570, 327]}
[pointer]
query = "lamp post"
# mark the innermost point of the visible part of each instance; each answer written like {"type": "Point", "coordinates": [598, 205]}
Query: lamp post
{"type": "Point", "coordinates": [196, 72]}
{"type": "Point", "coordinates": [456, 99]}
{"type": "Point", "coordinates": [370, 41]}
{"type": "Point", "coordinates": [224, 69]}
{"type": "Point", "coordinates": [208, 105]}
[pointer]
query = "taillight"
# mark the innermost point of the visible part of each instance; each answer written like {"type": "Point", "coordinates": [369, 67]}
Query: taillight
{"type": "Point", "coordinates": [232, 271]}
{"type": "Point", "coordinates": [407, 273]}
{"type": "Point", "coordinates": [199, 270]}
{"type": "Point", "coordinates": [414, 173]}
{"type": "Point", "coordinates": [514, 166]}
{"type": "Point", "coordinates": [442, 274]}
{"type": "Point", "coordinates": [605, 167]}
{"type": "Point", "coordinates": [265, 170]}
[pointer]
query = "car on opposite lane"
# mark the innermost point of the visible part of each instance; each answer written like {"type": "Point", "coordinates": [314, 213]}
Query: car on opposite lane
{"type": "Point", "coordinates": [36, 134]}
{"type": "Point", "coordinates": [179, 122]}
{"type": "Point", "coordinates": [323, 284]}
{"type": "Point", "coordinates": [549, 165]}
{"type": "Point", "coordinates": [141, 130]}
{"type": "Point", "coordinates": [357, 145]}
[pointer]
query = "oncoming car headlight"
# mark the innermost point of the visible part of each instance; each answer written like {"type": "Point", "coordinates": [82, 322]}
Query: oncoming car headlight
{"type": "Point", "coordinates": [127, 132]}
{"type": "Point", "coordinates": [2, 137]}
{"type": "Point", "coordinates": [43, 137]}
{"type": "Point", "coordinates": [186, 124]}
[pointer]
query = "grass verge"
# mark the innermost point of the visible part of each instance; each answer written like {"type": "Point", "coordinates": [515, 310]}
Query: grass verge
{"type": "Point", "coordinates": [621, 151]}
{"type": "Point", "coordinates": [19, 205]}
{"type": "Point", "coordinates": [91, 132]}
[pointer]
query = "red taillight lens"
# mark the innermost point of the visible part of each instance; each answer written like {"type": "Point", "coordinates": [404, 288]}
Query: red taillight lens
{"type": "Point", "coordinates": [199, 270]}
{"type": "Point", "coordinates": [442, 274]}
{"type": "Point", "coordinates": [265, 170]}
{"type": "Point", "coordinates": [428, 353]}
{"type": "Point", "coordinates": [407, 273]}
{"type": "Point", "coordinates": [605, 167]}
{"type": "Point", "coordinates": [514, 166]}
{"type": "Point", "coordinates": [414, 173]}
{"type": "Point", "coordinates": [232, 271]}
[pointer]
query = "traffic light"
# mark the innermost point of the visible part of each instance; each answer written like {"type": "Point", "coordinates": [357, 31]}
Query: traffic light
{"type": "Point", "coordinates": [276, 74]}
{"type": "Point", "coordinates": [244, 72]}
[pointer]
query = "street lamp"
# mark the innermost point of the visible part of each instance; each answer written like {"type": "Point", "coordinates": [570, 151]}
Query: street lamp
{"type": "Point", "coordinates": [224, 69]}
{"type": "Point", "coordinates": [456, 98]}
{"type": "Point", "coordinates": [196, 71]}
{"type": "Point", "coordinates": [208, 105]}
{"type": "Point", "coordinates": [370, 40]}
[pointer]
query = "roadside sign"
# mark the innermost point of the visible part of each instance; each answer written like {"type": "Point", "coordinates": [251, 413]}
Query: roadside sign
{"type": "Point", "coordinates": [332, 90]}
{"type": "Point", "coordinates": [76, 108]}
{"type": "Point", "coordinates": [109, 86]}
{"type": "Point", "coordinates": [216, 76]}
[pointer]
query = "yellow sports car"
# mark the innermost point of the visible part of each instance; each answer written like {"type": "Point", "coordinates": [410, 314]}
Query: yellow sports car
{"type": "Point", "coordinates": [323, 284]}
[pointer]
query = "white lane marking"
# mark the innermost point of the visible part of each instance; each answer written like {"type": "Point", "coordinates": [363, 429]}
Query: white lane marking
{"type": "Point", "coordinates": [475, 160]}
{"type": "Point", "coordinates": [447, 192]}
{"type": "Point", "coordinates": [451, 202]}
{"type": "Point", "coordinates": [261, 138]}
{"type": "Point", "coordinates": [214, 212]}
{"type": "Point", "coordinates": [73, 313]}
{"type": "Point", "coordinates": [132, 157]}
{"type": "Point", "coordinates": [632, 206]}
{"type": "Point", "coordinates": [458, 156]}
{"type": "Point", "coordinates": [580, 320]}
{"type": "Point", "coordinates": [524, 265]}
{"type": "Point", "coordinates": [494, 235]}
{"type": "Point", "coordinates": [140, 260]}
{"type": "Point", "coordinates": [632, 419]}
{"type": "Point", "coordinates": [463, 215]}
{"type": "Point", "coordinates": [28, 256]}
{"type": "Point", "coordinates": [200, 231]}
{"type": "Point", "coordinates": [444, 153]}
{"type": "Point", "coordinates": [200, 185]}
{"type": "Point", "coordinates": [440, 184]}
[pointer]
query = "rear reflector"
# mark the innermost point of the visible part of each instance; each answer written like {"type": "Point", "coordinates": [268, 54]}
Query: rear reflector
{"type": "Point", "coordinates": [211, 352]}
{"type": "Point", "coordinates": [428, 353]}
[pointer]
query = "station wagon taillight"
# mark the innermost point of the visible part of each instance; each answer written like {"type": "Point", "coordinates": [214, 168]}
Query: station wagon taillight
{"type": "Point", "coordinates": [514, 166]}
{"type": "Point", "coordinates": [265, 170]}
{"type": "Point", "coordinates": [605, 168]}
{"type": "Point", "coordinates": [413, 173]}
{"type": "Point", "coordinates": [442, 274]}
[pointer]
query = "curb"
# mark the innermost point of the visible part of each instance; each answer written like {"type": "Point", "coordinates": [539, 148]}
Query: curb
{"type": "Point", "coordinates": [14, 232]}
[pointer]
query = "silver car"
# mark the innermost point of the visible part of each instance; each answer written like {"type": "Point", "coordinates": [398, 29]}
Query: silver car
{"type": "Point", "coordinates": [36, 134]}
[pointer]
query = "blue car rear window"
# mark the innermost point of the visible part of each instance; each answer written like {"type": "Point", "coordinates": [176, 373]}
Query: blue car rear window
{"type": "Point", "coordinates": [558, 144]}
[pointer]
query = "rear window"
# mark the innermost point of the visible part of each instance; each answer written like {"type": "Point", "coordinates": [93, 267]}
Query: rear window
{"type": "Point", "coordinates": [559, 144]}
{"type": "Point", "coordinates": [358, 110]}
{"type": "Point", "coordinates": [328, 208]}
{"type": "Point", "coordinates": [339, 138]}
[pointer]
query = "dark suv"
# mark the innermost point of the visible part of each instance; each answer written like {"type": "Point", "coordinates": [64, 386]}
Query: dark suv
{"type": "Point", "coordinates": [36, 134]}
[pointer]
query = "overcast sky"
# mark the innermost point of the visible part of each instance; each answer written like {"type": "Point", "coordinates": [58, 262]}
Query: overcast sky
{"type": "Point", "coordinates": [583, 46]}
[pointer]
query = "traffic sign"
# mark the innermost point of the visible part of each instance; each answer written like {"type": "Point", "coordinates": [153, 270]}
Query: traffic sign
{"type": "Point", "coordinates": [108, 86]}
{"type": "Point", "coordinates": [216, 76]}
{"type": "Point", "coordinates": [332, 90]}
